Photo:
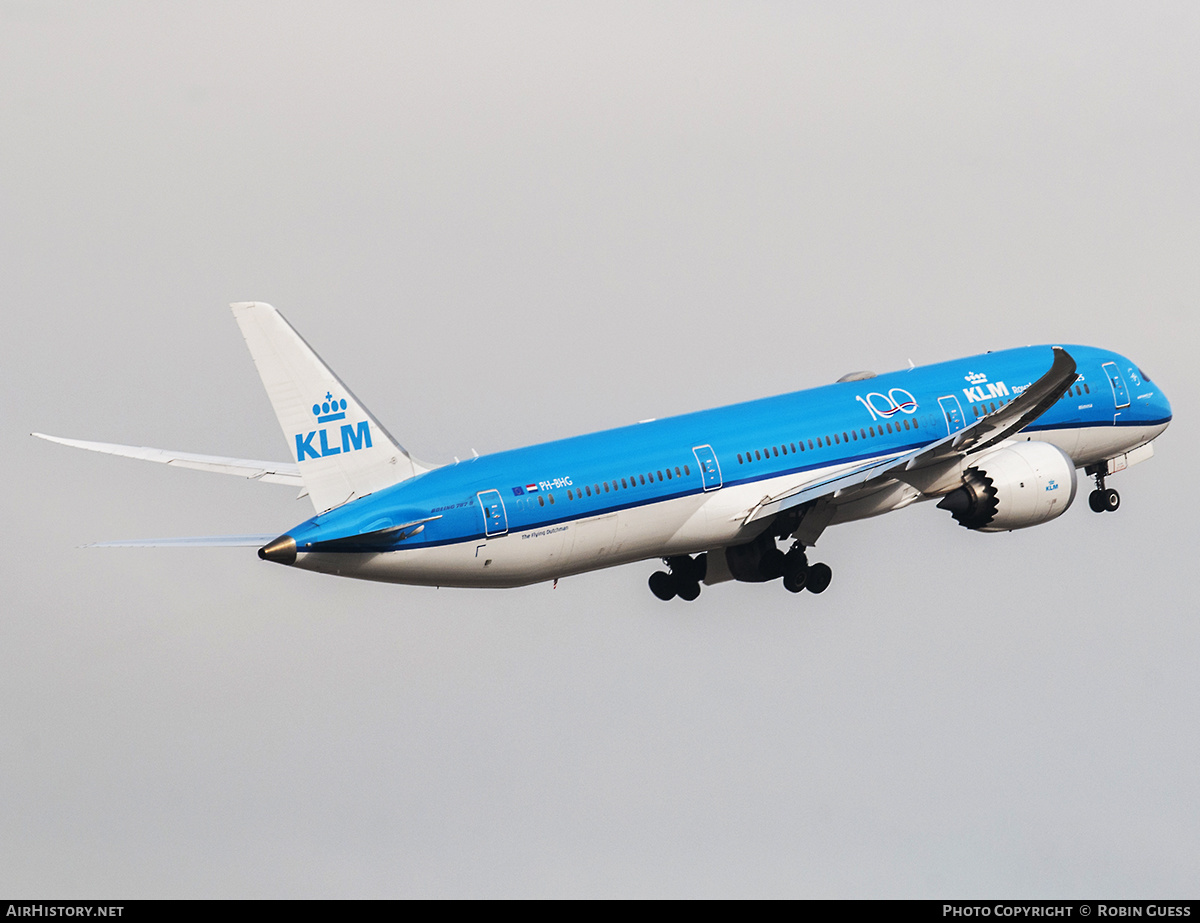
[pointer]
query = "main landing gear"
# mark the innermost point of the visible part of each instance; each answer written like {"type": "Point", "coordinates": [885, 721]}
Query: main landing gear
{"type": "Point", "coordinates": [683, 580]}
{"type": "Point", "coordinates": [1102, 499]}
{"type": "Point", "coordinates": [685, 573]}
{"type": "Point", "coordinates": [799, 575]}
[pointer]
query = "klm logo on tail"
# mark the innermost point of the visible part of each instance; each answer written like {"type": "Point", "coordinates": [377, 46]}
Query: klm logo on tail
{"type": "Point", "coordinates": [352, 438]}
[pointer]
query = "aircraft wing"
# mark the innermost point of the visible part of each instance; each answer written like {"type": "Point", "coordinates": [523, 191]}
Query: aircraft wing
{"type": "Point", "coordinates": [270, 472]}
{"type": "Point", "coordinates": [1014, 416]}
{"type": "Point", "coordinates": [984, 433]}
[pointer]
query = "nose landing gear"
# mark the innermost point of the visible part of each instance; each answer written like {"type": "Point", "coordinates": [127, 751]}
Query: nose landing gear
{"type": "Point", "coordinates": [1102, 499]}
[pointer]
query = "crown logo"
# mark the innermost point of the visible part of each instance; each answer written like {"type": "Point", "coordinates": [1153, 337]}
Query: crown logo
{"type": "Point", "coordinates": [975, 378]}
{"type": "Point", "coordinates": [329, 409]}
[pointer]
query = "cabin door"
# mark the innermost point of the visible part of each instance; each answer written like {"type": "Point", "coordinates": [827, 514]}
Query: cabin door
{"type": "Point", "coordinates": [710, 469]}
{"type": "Point", "coordinates": [952, 411]}
{"type": "Point", "coordinates": [495, 518]}
{"type": "Point", "coordinates": [1117, 380]}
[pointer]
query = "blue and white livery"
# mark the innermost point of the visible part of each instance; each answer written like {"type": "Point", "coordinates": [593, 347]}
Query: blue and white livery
{"type": "Point", "coordinates": [735, 493]}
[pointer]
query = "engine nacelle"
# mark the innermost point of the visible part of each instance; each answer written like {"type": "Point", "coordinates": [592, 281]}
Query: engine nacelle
{"type": "Point", "coordinates": [1015, 487]}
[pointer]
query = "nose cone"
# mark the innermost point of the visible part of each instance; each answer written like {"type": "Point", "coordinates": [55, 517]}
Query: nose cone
{"type": "Point", "coordinates": [1157, 411]}
{"type": "Point", "coordinates": [1164, 407]}
{"type": "Point", "coordinates": [281, 551]}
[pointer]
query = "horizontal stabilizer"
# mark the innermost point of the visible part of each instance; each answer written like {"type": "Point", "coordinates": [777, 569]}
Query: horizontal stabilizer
{"type": "Point", "coordinates": [209, 541]}
{"type": "Point", "coordinates": [270, 472]}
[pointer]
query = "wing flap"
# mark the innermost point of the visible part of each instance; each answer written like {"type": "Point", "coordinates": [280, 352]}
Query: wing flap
{"type": "Point", "coordinates": [827, 486]}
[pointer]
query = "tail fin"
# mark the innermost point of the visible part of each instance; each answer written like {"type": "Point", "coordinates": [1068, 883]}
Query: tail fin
{"type": "Point", "coordinates": [342, 451]}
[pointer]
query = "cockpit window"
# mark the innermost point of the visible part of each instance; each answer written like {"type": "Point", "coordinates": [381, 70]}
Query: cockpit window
{"type": "Point", "coordinates": [1145, 377]}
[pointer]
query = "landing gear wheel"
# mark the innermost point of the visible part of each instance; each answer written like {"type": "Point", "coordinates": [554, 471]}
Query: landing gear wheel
{"type": "Point", "coordinates": [1102, 499]}
{"type": "Point", "coordinates": [819, 576]}
{"type": "Point", "coordinates": [688, 592]}
{"type": "Point", "coordinates": [662, 585]}
{"type": "Point", "coordinates": [792, 586]}
{"type": "Point", "coordinates": [795, 571]}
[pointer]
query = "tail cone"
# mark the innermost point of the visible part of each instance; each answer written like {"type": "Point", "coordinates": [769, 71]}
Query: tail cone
{"type": "Point", "coordinates": [281, 551]}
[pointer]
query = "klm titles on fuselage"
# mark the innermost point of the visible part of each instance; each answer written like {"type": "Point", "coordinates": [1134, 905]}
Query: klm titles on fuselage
{"type": "Point", "coordinates": [347, 438]}
{"type": "Point", "coordinates": [983, 390]}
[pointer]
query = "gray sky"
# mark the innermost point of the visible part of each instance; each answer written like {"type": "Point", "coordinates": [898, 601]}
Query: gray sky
{"type": "Point", "coordinates": [508, 223]}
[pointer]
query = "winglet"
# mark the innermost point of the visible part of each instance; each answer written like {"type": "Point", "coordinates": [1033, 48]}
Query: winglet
{"type": "Point", "coordinates": [1023, 409]}
{"type": "Point", "coordinates": [982, 434]}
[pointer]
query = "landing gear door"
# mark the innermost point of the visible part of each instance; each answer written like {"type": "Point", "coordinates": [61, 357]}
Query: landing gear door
{"type": "Point", "coordinates": [495, 518]}
{"type": "Point", "coordinates": [710, 470]}
{"type": "Point", "coordinates": [952, 410]}
{"type": "Point", "coordinates": [1120, 392]}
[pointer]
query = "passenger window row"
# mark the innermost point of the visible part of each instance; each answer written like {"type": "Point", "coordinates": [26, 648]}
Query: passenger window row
{"type": "Point", "coordinates": [990, 406]}
{"type": "Point", "coordinates": [982, 410]}
{"type": "Point", "coordinates": [634, 480]}
{"type": "Point", "coordinates": [869, 432]}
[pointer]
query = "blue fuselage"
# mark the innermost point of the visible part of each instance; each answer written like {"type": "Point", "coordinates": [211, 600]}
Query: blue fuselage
{"type": "Point", "coordinates": [532, 493]}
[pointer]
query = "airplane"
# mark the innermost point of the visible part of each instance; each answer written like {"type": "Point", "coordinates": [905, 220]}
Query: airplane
{"type": "Point", "coordinates": [996, 439]}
